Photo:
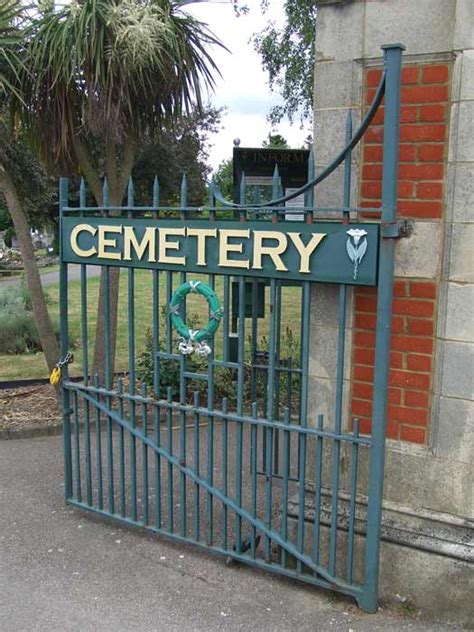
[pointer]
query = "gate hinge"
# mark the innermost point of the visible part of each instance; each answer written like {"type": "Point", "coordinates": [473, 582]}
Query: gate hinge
{"type": "Point", "coordinates": [396, 230]}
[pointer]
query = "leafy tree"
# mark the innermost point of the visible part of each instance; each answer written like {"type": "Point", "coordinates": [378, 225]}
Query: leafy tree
{"type": "Point", "coordinates": [288, 54]}
{"type": "Point", "coordinates": [103, 76]}
{"type": "Point", "coordinates": [275, 141]}
{"type": "Point", "coordinates": [12, 184]}
{"type": "Point", "coordinates": [178, 149]}
{"type": "Point", "coordinates": [224, 178]}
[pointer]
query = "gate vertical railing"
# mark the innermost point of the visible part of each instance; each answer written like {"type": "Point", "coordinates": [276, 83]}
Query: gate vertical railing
{"type": "Point", "coordinates": [383, 332]}
{"type": "Point", "coordinates": [216, 470]}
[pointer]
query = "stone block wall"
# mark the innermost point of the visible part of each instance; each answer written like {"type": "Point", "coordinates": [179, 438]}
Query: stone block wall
{"type": "Point", "coordinates": [429, 466]}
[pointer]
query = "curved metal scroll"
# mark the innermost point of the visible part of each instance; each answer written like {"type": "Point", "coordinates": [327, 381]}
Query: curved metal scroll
{"type": "Point", "coordinates": [379, 94]}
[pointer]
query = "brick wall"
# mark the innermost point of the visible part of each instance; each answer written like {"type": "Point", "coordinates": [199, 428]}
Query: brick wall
{"type": "Point", "coordinates": [422, 152]}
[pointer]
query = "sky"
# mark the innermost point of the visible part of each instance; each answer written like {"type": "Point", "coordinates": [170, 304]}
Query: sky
{"type": "Point", "coordinates": [243, 88]}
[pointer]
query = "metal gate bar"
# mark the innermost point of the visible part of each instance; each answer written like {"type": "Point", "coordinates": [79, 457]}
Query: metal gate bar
{"type": "Point", "coordinates": [225, 472]}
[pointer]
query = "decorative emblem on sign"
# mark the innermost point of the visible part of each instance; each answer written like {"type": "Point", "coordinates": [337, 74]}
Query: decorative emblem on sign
{"type": "Point", "coordinates": [195, 339]}
{"type": "Point", "coordinates": [356, 248]}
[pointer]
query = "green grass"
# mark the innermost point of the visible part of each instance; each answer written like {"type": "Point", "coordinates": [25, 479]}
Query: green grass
{"type": "Point", "coordinates": [29, 366]}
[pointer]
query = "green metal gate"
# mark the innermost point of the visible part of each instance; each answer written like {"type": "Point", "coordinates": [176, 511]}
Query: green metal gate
{"type": "Point", "coordinates": [213, 450]}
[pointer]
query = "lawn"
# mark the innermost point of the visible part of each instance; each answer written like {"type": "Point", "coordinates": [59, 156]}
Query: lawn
{"type": "Point", "coordinates": [32, 366]}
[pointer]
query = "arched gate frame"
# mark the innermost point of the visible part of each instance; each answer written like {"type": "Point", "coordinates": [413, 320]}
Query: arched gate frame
{"type": "Point", "coordinates": [217, 454]}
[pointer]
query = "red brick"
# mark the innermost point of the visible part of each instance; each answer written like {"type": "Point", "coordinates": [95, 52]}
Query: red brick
{"type": "Point", "coordinates": [408, 114]}
{"type": "Point", "coordinates": [369, 95]}
{"type": "Point", "coordinates": [373, 77]}
{"type": "Point", "coordinates": [370, 214]}
{"type": "Point", "coordinates": [365, 426]}
{"type": "Point", "coordinates": [417, 416]}
{"type": "Point", "coordinates": [435, 74]}
{"type": "Point", "coordinates": [361, 407]}
{"type": "Point", "coordinates": [394, 395]}
{"type": "Point", "coordinates": [371, 189]}
{"type": "Point", "coordinates": [370, 204]}
{"type": "Point", "coordinates": [430, 153]}
{"type": "Point", "coordinates": [366, 290]}
{"type": "Point", "coordinates": [374, 134]}
{"type": "Point", "coordinates": [422, 289]}
{"type": "Point", "coordinates": [364, 338]}
{"type": "Point", "coordinates": [373, 153]}
{"type": "Point", "coordinates": [408, 307]}
{"type": "Point", "coordinates": [421, 172]}
{"type": "Point", "coordinates": [420, 327]}
{"type": "Point", "coordinates": [415, 208]}
{"type": "Point", "coordinates": [391, 430]}
{"type": "Point", "coordinates": [433, 113]}
{"type": "Point", "coordinates": [415, 435]}
{"type": "Point", "coordinates": [412, 343]}
{"type": "Point", "coordinates": [396, 360]}
{"type": "Point", "coordinates": [417, 399]}
{"type": "Point", "coordinates": [406, 152]}
{"type": "Point", "coordinates": [364, 356]}
{"type": "Point", "coordinates": [366, 303]}
{"type": "Point", "coordinates": [398, 324]}
{"type": "Point", "coordinates": [364, 373]}
{"type": "Point", "coordinates": [418, 362]}
{"type": "Point", "coordinates": [365, 321]}
{"type": "Point", "coordinates": [429, 190]}
{"type": "Point", "coordinates": [424, 94]}
{"type": "Point", "coordinates": [362, 390]}
{"type": "Point", "coordinates": [399, 288]}
{"type": "Point", "coordinates": [378, 117]}
{"type": "Point", "coordinates": [372, 172]}
{"type": "Point", "coordinates": [410, 74]}
{"type": "Point", "coordinates": [405, 189]}
{"type": "Point", "coordinates": [411, 380]}
{"type": "Point", "coordinates": [422, 132]}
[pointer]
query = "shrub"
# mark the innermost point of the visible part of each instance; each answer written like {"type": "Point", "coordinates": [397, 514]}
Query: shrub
{"type": "Point", "coordinates": [18, 332]}
{"type": "Point", "coordinates": [225, 385]}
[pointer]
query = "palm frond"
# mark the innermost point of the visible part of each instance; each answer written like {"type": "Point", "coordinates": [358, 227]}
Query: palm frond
{"type": "Point", "coordinates": [104, 67]}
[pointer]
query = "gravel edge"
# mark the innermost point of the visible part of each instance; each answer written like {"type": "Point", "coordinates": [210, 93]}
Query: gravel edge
{"type": "Point", "coordinates": [30, 432]}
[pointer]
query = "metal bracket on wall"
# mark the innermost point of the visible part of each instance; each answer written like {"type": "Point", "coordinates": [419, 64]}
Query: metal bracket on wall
{"type": "Point", "coordinates": [396, 230]}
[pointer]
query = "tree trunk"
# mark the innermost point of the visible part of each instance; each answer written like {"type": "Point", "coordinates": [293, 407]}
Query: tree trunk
{"type": "Point", "coordinates": [100, 349]}
{"type": "Point", "coordinates": [48, 341]}
{"type": "Point", "coordinates": [118, 178]}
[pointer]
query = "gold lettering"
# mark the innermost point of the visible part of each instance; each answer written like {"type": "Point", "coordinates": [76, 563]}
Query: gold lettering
{"type": "Point", "coordinates": [165, 245]}
{"type": "Point", "coordinates": [148, 241]}
{"type": "Point", "coordinates": [80, 252]}
{"type": "Point", "coordinates": [306, 250]}
{"type": "Point", "coordinates": [272, 251]}
{"type": "Point", "coordinates": [106, 243]}
{"type": "Point", "coordinates": [201, 234]}
{"type": "Point", "coordinates": [225, 247]}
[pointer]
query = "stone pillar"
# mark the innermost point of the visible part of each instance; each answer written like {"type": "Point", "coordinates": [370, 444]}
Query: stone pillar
{"type": "Point", "coordinates": [429, 467]}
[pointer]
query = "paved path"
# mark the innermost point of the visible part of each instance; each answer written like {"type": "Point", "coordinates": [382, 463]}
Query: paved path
{"type": "Point", "coordinates": [49, 278]}
{"type": "Point", "coordinates": [62, 569]}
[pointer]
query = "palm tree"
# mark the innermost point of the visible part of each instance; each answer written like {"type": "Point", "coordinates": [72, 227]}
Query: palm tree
{"type": "Point", "coordinates": [11, 42]}
{"type": "Point", "coordinates": [101, 75]}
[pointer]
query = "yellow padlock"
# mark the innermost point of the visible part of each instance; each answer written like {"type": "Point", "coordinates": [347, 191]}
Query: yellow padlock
{"type": "Point", "coordinates": [55, 376]}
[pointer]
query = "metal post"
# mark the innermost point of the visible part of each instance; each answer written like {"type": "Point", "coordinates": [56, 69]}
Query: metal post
{"type": "Point", "coordinates": [63, 305]}
{"type": "Point", "coordinates": [392, 62]}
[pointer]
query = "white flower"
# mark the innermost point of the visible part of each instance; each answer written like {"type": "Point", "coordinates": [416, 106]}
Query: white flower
{"type": "Point", "coordinates": [356, 233]}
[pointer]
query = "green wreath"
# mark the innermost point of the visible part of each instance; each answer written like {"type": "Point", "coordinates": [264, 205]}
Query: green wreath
{"type": "Point", "coordinates": [195, 339]}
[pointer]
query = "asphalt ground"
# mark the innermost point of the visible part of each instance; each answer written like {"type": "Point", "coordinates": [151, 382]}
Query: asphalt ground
{"type": "Point", "coordinates": [63, 569]}
{"type": "Point", "coordinates": [49, 278]}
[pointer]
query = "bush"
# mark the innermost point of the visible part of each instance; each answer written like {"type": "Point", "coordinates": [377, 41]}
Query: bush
{"type": "Point", "coordinates": [169, 369]}
{"type": "Point", "coordinates": [18, 332]}
{"type": "Point", "coordinates": [225, 386]}
{"type": "Point", "coordinates": [14, 298]}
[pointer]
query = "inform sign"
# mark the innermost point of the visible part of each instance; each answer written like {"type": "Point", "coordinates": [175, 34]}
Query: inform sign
{"type": "Point", "coordinates": [325, 252]}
